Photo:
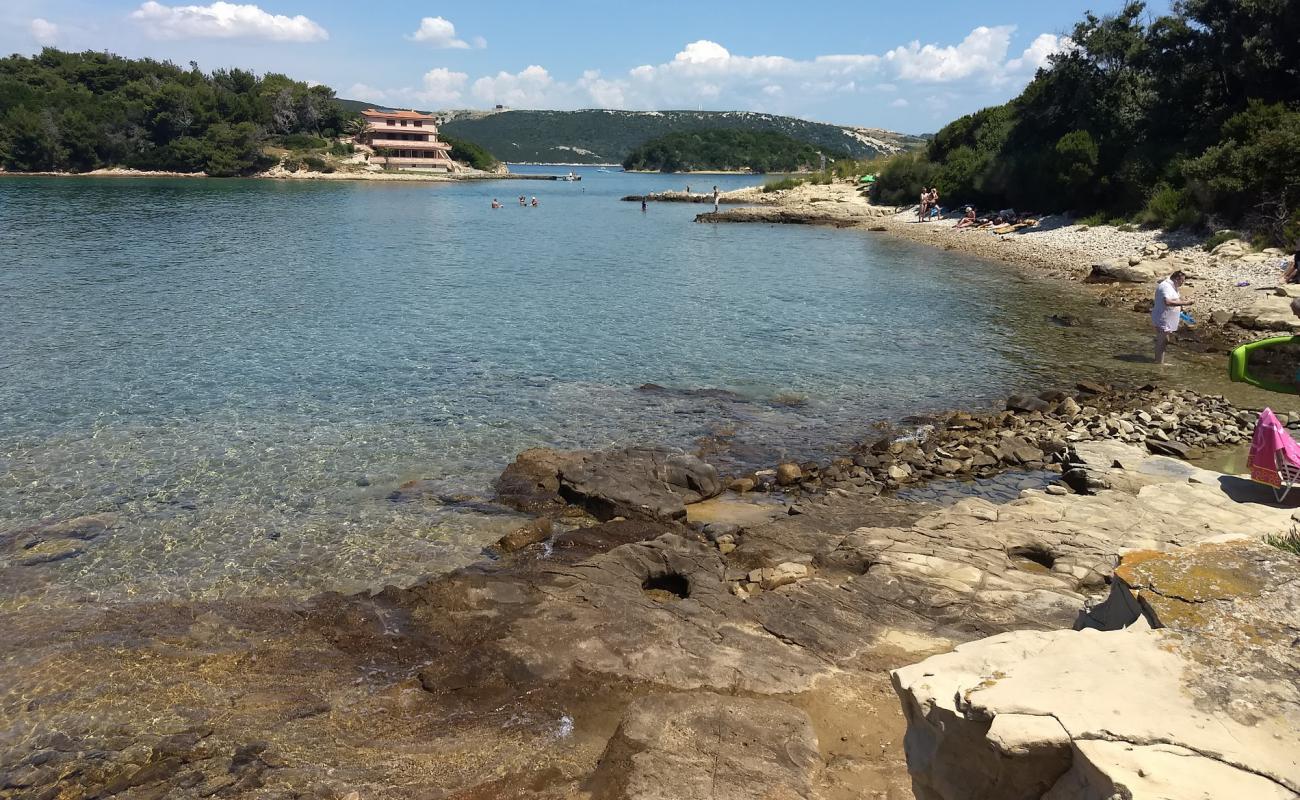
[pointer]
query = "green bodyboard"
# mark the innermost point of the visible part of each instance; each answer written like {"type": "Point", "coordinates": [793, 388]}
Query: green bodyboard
{"type": "Point", "coordinates": [1270, 364]}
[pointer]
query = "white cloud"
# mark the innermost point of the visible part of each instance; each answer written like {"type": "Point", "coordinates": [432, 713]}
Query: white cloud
{"type": "Point", "coordinates": [1036, 56]}
{"type": "Point", "coordinates": [440, 88]}
{"type": "Point", "coordinates": [221, 20]}
{"type": "Point", "coordinates": [983, 52]}
{"type": "Point", "coordinates": [529, 88]}
{"type": "Point", "coordinates": [44, 31]}
{"type": "Point", "coordinates": [440, 32]}
{"type": "Point", "coordinates": [603, 93]}
{"type": "Point", "coordinates": [975, 71]}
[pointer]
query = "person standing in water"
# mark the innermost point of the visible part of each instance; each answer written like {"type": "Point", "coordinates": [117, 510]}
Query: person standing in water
{"type": "Point", "coordinates": [1166, 313]}
{"type": "Point", "coordinates": [643, 205]}
{"type": "Point", "coordinates": [496, 203]}
{"type": "Point", "coordinates": [715, 199]}
{"type": "Point", "coordinates": [534, 201]}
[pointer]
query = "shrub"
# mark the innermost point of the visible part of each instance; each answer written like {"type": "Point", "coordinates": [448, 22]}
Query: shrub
{"type": "Point", "coordinates": [342, 149]}
{"type": "Point", "coordinates": [1219, 238]}
{"type": "Point", "coordinates": [784, 183]}
{"type": "Point", "coordinates": [470, 153]}
{"type": "Point", "coordinates": [902, 178]}
{"type": "Point", "coordinates": [1290, 542]}
{"type": "Point", "coordinates": [317, 164]}
{"type": "Point", "coordinates": [1171, 208]}
{"type": "Point", "coordinates": [300, 141]}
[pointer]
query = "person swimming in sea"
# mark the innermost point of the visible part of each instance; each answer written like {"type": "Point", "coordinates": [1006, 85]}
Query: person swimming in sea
{"type": "Point", "coordinates": [496, 203]}
{"type": "Point", "coordinates": [534, 201]}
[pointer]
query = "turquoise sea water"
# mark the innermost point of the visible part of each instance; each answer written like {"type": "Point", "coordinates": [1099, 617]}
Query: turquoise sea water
{"type": "Point", "coordinates": [243, 371]}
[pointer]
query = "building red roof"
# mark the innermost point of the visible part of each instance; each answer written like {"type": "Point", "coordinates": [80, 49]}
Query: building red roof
{"type": "Point", "coordinates": [370, 112]}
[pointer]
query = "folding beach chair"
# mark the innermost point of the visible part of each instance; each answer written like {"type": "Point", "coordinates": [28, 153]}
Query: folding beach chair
{"type": "Point", "coordinates": [1274, 456]}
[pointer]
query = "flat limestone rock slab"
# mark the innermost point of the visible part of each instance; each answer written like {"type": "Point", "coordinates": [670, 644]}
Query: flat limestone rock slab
{"type": "Point", "coordinates": [1132, 686]}
{"type": "Point", "coordinates": [1156, 772]}
{"type": "Point", "coordinates": [709, 747]}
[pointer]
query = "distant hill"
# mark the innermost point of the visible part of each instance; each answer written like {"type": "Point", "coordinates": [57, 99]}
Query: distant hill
{"type": "Point", "coordinates": [723, 149]}
{"type": "Point", "coordinates": [608, 137]}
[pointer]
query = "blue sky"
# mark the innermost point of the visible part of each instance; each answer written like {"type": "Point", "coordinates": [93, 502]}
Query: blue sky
{"type": "Point", "coordinates": [903, 66]}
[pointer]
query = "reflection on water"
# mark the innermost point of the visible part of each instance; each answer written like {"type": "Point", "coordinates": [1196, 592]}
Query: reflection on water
{"type": "Point", "coordinates": [243, 371]}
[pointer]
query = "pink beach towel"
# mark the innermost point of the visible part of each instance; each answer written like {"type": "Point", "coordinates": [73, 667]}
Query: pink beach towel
{"type": "Point", "coordinates": [1271, 438]}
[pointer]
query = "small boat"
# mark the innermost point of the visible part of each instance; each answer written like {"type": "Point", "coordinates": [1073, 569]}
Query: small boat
{"type": "Point", "coordinates": [569, 177]}
{"type": "Point", "coordinates": [605, 170]}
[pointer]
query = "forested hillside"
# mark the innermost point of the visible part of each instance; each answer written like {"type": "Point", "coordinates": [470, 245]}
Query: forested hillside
{"type": "Point", "coordinates": [759, 151]}
{"type": "Point", "coordinates": [608, 137]}
{"type": "Point", "coordinates": [1187, 119]}
{"type": "Point", "coordinates": [81, 111]}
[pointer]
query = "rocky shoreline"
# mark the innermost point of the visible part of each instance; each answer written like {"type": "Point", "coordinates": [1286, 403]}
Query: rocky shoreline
{"type": "Point", "coordinates": [1236, 288]}
{"type": "Point", "coordinates": [660, 630]}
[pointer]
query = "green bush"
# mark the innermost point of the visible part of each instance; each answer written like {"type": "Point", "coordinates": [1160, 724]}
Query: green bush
{"type": "Point", "coordinates": [342, 148]}
{"type": "Point", "coordinates": [1171, 208]}
{"type": "Point", "coordinates": [467, 152]}
{"type": "Point", "coordinates": [300, 141]}
{"type": "Point", "coordinates": [317, 164]}
{"type": "Point", "coordinates": [901, 179]}
{"type": "Point", "coordinates": [784, 183]}
{"type": "Point", "coordinates": [1219, 238]}
{"type": "Point", "coordinates": [1290, 542]}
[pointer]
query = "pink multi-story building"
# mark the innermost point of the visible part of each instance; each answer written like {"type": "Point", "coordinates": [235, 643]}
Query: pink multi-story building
{"type": "Point", "coordinates": [407, 140]}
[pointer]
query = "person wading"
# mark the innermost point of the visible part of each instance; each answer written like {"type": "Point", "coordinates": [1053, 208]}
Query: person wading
{"type": "Point", "coordinates": [715, 199]}
{"type": "Point", "coordinates": [1167, 311]}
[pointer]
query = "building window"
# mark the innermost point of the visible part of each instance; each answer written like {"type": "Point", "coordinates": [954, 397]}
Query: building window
{"type": "Point", "coordinates": [419, 123]}
{"type": "Point", "coordinates": [392, 122]}
{"type": "Point", "coordinates": [403, 123]}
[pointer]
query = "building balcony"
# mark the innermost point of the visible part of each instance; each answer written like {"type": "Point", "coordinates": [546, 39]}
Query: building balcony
{"type": "Point", "coordinates": [402, 144]}
{"type": "Point", "coordinates": [406, 162]}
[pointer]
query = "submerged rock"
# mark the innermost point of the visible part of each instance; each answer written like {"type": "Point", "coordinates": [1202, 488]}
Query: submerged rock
{"type": "Point", "coordinates": [538, 530]}
{"type": "Point", "coordinates": [638, 482]}
{"type": "Point", "coordinates": [531, 483]}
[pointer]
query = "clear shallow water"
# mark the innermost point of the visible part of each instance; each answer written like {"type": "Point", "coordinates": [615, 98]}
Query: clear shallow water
{"type": "Point", "coordinates": [244, 370]}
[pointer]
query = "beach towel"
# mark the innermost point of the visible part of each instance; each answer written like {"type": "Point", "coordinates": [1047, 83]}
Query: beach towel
{"type": "Point", "coordinates": [1270, 439]}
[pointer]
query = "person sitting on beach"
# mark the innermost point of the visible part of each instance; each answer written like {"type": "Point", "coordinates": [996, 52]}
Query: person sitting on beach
{"type": "Point", "coordinates": [496, 203]}
{"type": "Point", "coordinates": [967, 220]}
{"type": "Point", "coordinates": [1292, 274]}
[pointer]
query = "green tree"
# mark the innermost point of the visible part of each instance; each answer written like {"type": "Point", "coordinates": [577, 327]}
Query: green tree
{"type": "Point", "coordinates": [32, 141]}
{"type": "Point", "coordinates": [79, 139]}
{"type": "Point", "coordinates": [1077, 158]}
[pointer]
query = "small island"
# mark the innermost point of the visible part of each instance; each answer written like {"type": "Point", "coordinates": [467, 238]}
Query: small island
{"type": "Point", "coordinates": [727, 151]}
